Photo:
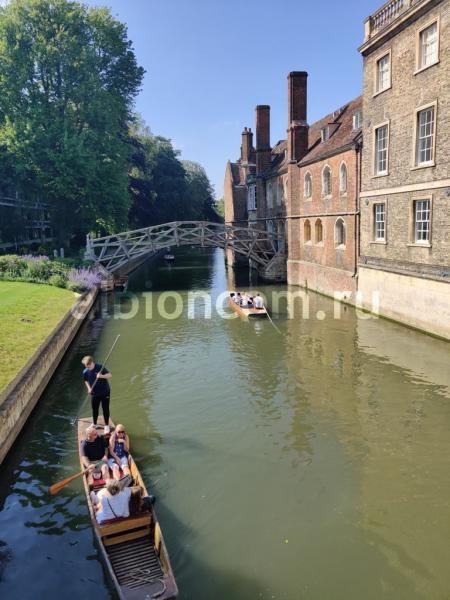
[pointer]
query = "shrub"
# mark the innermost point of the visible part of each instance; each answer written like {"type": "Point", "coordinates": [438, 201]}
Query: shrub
{"type": "Point", "coordinates": [58, 280]}
{"type": "Point", "coordinates": [38, 267]}
{"type": "Point", "coordinates": [83, 279]}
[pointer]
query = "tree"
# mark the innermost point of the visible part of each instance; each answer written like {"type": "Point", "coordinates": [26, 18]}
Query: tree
{"type": "Point", "coordinates": [68, 77]}
{"type": "Point", "coordinates": [200, 192]}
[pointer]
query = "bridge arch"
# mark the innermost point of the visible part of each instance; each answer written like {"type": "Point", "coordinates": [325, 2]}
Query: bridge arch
{"type": "Point", "coordinates": [112, 252]}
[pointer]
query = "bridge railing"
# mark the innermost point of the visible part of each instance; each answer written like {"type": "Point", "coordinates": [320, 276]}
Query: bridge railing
{"type": "Point", "coordinates": [114, 251]}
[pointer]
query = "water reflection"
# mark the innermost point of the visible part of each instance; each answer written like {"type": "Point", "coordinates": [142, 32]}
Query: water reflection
{"type": "Point", "coordinates": [304, 462]}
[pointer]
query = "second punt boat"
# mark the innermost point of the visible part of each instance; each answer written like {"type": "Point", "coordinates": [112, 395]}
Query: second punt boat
{"type": "Point", "coordinates": [246, 313]}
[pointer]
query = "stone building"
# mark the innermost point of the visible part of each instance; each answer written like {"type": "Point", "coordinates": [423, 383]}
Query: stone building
{"type": "Point", "coordinates": [405, 188]}
{"type": "Point", "coordinates": [324, 175]}
{"type": "Point", "coordinates": [256, 184]}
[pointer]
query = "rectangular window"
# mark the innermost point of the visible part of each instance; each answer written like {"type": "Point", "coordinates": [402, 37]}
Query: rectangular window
{"type": "Point", "coordinates": [422, 221]}
{"type": "Point", "coordinates": [251, 198]}
{"type": "Point", "coordinates": [325, 133]}
{"type": "Point", "coordinates": [428, 46]}
{"type": "Point", "coordinates": [381, 150]}
{"type": "Point", "coordinates": [383, 73]}
{"type": "Point", "coordinates": [380, 222]}
{"type": "Point", "coordinates": [425, 136]}
{"type": "Point", "coordinates": [357, 119]}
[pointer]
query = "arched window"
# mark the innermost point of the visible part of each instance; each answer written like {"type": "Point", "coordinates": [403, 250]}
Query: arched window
{"type": "Point", "coordinates": [307, 231]}
{"type": "Point", "coordinates": [308, 185]}
{"type": "Point", "coordinates": [339, 233]}
{"type": "Point", "coordinates": [326, 181]}
{"type": "Point", "coordinates": [343, 178]}
{"type": "Point", "coordinates": [319, 231]}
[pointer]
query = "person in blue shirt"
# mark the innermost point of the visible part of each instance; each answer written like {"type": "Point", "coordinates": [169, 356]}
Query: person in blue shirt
{"type": "Point", "coordinates": [96, 380]}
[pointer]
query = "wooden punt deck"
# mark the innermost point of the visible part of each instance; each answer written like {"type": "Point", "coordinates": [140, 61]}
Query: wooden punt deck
{"type": "Point", "coordinates": [132, 549]}
{"type": "Point", "coordinates": [246, 313]}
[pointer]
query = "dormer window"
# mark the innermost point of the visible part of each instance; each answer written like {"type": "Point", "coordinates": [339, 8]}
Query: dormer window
{"type": "Point", "coordinates": [357, 119]}
{"type": "Point", "coordinates": [325, 133]}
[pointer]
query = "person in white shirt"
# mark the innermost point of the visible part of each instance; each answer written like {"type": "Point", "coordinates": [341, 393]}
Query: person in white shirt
{"type": "Point", "coordinates": [258, 301]}
{"type": "Point", "coordinates": [111, 502]}
{"type": "Point", "coordinates": [237, 298]}
{"type": "Point", "coordinates": [244, 301]}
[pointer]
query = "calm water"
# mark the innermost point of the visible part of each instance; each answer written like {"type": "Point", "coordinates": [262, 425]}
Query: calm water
{"type": "Point", "coordinates": [307, 463]}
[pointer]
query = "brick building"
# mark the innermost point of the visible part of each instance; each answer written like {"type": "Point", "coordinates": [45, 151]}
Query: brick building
{"type": "Point", "coordinates": [324, 174]}
{"type": "Point", "coordinates": [405, 191]}
{"type": "Point", "coordinates": [256, 185]}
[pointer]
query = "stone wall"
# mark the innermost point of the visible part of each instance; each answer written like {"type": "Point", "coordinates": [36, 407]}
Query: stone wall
{"type": "Point", "coordinates": [18, 400]}
{"type": "Point", "coordinates": [415, 301]}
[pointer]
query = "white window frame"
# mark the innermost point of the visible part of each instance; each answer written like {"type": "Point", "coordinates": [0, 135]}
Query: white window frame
{"type": "Point", "coordinates": [330, 193]}
{"type": "Point", "coordinates": [427, 25]}
{"type": "Point", "coordinates": [357, 119]}
{"type": "Point", "coordinates": [343, 190]}
{"type": "Point", "coordinates": [415, 157]}
{"type": "Point", "coordinates": [305, 194]}
{"type": "Point", "coordinates": [325, 133]}
{"type": "Point", "coordinates": [376, 89]}
{"type": "Point", "coordinates": [336, 244]}
{"type": "Point", "coordinates": [377, 238]}
{"type": "Point", "coordinates": [377, 173]}
{"type": "Point", "coordinates": [413, 222]}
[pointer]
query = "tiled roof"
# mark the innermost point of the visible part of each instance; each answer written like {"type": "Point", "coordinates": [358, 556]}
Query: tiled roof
{"type": "Point", "coordinates": [341, 131]}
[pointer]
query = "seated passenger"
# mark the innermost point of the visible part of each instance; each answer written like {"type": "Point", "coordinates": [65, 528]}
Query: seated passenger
{"type": "Point", "coordinates": [94, 451]}
{"type": "Point", "coordinates": [244, 300]}
{"type": "Point", "coordinates": [237, 298]}
{"type": "Point", "coordinates": [111, 502]}
{"type": "Point", "coordinates": [119, 449]}
{"type": "Point", "coordinates": [258, 301]}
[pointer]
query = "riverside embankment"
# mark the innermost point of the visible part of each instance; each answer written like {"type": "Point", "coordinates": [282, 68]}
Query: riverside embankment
{"type": "Point", "coordinates": [307, 464]}
{"type": "Point", "coordinates": [38, 324]}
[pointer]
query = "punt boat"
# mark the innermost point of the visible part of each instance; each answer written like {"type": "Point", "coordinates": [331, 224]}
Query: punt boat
{"type": "Point", "coordinates": [246, 313]}
{"type": "Point", "coordinates": [132, 549]}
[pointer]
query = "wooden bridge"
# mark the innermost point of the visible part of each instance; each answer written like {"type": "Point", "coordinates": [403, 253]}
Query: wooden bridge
{"type": "Point", "coordinates": [113, 252]}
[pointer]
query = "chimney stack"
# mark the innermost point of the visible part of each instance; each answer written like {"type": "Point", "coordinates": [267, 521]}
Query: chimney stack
{"type": "Point", "coordinates": [298, 125]}
{"type": "Point", "coordinates": [247, 146]}
{"type": "Point", "coordinates": [263, 149]}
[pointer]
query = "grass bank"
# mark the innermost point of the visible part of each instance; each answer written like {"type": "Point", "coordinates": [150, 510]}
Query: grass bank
{"type": "Point", "coordinates": [28, 314]}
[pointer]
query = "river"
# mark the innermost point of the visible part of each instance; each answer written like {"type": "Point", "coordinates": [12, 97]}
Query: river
{"type": "Point", "coordinates": [307, 460]}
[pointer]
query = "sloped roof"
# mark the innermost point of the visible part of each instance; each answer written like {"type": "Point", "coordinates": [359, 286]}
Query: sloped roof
{"type": "Point", "coordinates": [341, 132]}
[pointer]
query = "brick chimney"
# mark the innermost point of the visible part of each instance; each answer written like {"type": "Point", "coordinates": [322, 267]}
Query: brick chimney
{"type": "Point", "coordinates": [247, 146]}
{"type": "Point", "coordinates": [298, 125]}
{"type": "Point", "coordinates": [263, 149]}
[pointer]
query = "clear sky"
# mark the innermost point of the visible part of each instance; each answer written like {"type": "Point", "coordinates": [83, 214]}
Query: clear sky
{"type": "Point", "coordinates": [210, 62]}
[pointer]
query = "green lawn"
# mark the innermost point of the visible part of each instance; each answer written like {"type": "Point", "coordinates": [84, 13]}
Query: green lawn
{"type": "Point", "coordinates": [28, 313]}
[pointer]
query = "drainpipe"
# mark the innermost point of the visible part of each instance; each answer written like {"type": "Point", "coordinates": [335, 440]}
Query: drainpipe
{"type": "Point", "coordinates": [357, 208]}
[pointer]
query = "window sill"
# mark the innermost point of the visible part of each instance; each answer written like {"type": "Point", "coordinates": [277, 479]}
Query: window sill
{"type": "Point", "coordinates": [319, 244]}
{"type": "Point", "coordinates": [380, 175]}
{"type": "Point", "coordinates": [417, 245]}
{"type": "Point", "coordinates": [382, 242]}
{"type": "Point", "coordinates": [375, 94]}
{"type": "Point", "coordinates": [424, 166]}
{"type": "Point", "coordinates": [422, 69]}
{"type": "Point", "coordinates": [327, 197]}
{"type": "Point", "coordinates": [343, 194]}
{"type": "Point", "coordinates": [340, 247]}
{"type": "Point", "coordinates": [305, 199]}
{"type": "Point", "coordinates": [307, 243]}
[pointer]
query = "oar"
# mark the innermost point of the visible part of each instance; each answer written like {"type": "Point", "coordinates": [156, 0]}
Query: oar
{"type": "Point", "coordinates": [267, 312]}
{"type": "Point", "coordinates": [56, 487]}
{"type": "Point", "coordinates": [104, 363]}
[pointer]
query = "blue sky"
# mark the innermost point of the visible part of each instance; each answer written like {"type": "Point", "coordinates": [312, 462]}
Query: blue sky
{"type": "Point", "coordinates": [210, 62]}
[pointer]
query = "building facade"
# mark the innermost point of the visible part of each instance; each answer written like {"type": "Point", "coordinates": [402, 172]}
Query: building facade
{"type": "Point", "coordinates": [324, 175]}
{"type": "Point", "coordinates": [405, 187]}
{"type": "Point", "coordinates": [255, 187]}
{"type": "Point", "coordinates": [23, 222]}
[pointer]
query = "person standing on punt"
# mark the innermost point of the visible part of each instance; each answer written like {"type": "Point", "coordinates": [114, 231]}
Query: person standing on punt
{"type": "Point", "coordinates": [258, 301]}
{"type": "Point", "coordinates": [96, 380]}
